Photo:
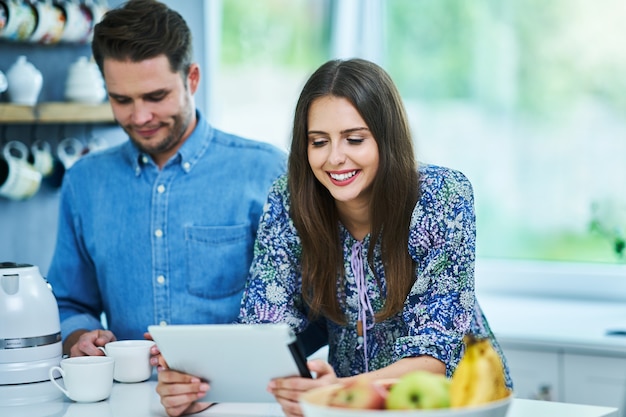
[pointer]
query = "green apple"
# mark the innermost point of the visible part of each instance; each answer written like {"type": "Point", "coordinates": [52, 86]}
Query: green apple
{"type": "Point", "coordinates": [361, 394]}
{"type": "Point", "coordinates": [419, 390]}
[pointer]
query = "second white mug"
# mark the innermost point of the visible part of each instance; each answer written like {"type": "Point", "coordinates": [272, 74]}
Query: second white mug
{"type": "Point", "coordinates": [132, 359]}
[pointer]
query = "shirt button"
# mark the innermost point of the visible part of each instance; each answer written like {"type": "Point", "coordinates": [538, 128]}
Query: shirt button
{"type": "Point", "coordinates": [163, 323]}
{"type": "Point", "coordinates": [161, 188]}
{"type": "Point", "coordinates": [144, 159]}
{"type": "Point", "coordinates": [158, 232]}
{"type": "Point", "coordinates": [161, 279]}
{"type": "Point", "coordinates": [186, 166]}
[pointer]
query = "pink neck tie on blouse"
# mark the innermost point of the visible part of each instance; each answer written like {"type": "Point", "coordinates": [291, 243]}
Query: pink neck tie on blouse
{"type": "Point", "coordinates": [356, 262]}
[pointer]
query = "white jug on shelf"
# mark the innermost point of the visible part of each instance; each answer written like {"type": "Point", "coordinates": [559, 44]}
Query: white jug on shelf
{"type": "Point", "coordinates": [84, 82]}
{"type": "Point", "coordinates": [25, 82]}
{"type": "Point", "coordinates": [3, 82]}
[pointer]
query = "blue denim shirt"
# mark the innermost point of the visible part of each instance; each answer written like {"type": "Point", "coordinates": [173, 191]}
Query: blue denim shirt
{"type": "Point", "coordinates": [148, 246]}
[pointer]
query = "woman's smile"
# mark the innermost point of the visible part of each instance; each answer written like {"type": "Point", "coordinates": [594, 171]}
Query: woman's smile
{"type": "Point", "coordinates": [342, 178]}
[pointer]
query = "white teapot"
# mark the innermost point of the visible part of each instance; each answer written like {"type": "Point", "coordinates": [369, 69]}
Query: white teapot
{"type": "Point", "coordinates": [84, 82]}
{"type": "Point", "coordinates": [3, 82]}
{"type": "Point", "coordinates": [25, 82]}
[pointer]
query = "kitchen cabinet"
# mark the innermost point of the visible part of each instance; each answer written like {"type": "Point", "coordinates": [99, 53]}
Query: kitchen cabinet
{"type": "Point", "coordinates": [563, 374]}
{"type": "Point", "coordinates": [536, 374]}
{"type": "Point", "coordinates": [562, 348]}
{"type": "Point", "coordinates": [594, 380]}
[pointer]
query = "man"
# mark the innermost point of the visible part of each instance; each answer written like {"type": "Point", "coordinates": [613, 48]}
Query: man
{"type": "Point", "coordinates": [159, 229]}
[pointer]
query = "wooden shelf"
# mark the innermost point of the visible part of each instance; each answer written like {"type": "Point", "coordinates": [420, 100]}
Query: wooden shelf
{"type": "Point", "coordinates": [10, 113]}
{"type": "Point", "coordinates": [56, 112]}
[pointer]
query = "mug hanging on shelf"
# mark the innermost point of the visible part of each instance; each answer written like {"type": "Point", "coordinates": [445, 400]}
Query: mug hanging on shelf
{"type": "Point", "coordinates": [3, 17]}
{"type": "Point", "coordinates": [55, 178]}
{"type": "Point", "coordinates": [96, 144]}
{"type": "Point", "coordinates": [50, 22]}
{"type": "Point", "coordinates": [19, 180]}
{"type": "Point", "coordinates": [63, 155]}
{"type": "Point", "coordinates": [43, 160]}
{"type": "Point", "coordinates": [79, 21]}
{"type": "Point", "coordinates": [97, 9]}
{"type": "Point", "coordinates": [70, 150]}
{"type": "Point", "coordinates": [19, 19]}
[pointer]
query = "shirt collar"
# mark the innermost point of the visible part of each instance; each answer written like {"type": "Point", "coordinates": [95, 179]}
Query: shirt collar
{"type": "Point", "coordinates": [187, 156]}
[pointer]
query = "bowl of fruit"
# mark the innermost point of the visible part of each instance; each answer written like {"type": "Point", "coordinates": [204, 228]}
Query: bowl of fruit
{"type": "Point", "coordinates": [476, 389]}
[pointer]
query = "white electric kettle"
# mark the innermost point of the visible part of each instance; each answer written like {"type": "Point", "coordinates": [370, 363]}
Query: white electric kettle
{"type": "Point", "coordinates": [30, 330]}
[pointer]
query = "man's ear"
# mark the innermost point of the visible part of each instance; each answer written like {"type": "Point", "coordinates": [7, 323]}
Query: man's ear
{"type": "Point", "coordinates": [193, 77]}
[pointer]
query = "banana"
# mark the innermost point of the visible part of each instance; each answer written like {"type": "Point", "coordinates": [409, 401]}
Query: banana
{"type": "Point", "coordinates": [479, 376]}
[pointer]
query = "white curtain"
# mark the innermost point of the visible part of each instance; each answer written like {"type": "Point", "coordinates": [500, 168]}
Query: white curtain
{"type": "Point", "coordinates": [358, 30]}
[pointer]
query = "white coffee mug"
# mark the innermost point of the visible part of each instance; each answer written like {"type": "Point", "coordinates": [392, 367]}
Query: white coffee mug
{"type": "Point", "coordinates": [50, 22]}
{"type": "Point", "coordinates": [97, 9]}
{"type": "Point", "coordinates": [132, 359]}
{"type": "Point", "coordinates": [86, 378]}
{"type": "Point", "coordinates": [20, 20]}
{"type": "Point", "coordinates": [70, 150]}
{"type": "Point", "coordinates": [96, 144]}
{"type": "Point", "coordinates": [43, 160]}
{"type": "Point", "coordinates": [19, 180]}
{"type": "Point", "coordinates": [79, 21]}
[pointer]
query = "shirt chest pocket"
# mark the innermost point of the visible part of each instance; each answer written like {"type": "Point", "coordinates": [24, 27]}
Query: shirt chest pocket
{"type": "Point", "coordinates": [218, 259]}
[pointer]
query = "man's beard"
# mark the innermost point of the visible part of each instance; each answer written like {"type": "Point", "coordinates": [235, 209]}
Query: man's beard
{"type": "Point", "coordinates": [173, 139]}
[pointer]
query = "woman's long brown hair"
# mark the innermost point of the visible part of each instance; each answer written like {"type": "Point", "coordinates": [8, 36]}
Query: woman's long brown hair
{"type": "Point", "coordinates": [394, 190]}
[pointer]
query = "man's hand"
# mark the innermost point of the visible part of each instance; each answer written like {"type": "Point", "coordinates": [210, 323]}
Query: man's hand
{"type": "Point", "coordinates": [85, 343]}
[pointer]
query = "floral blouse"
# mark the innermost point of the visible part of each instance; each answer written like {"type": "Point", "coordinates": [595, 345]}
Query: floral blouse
{"type": "Point", "coordinates": [440, 308]}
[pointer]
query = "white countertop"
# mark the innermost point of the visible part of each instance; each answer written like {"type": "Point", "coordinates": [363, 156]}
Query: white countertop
{"type": "Point", "coordinates": [141, 400]}
{"type": "Point", "coordinates": [551, 305]}
{"type": "Point", "coordinates": [576, 325]}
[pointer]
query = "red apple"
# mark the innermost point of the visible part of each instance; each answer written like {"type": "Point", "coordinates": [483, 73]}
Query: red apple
{"type": "Point", "coordinates": [360, 394]}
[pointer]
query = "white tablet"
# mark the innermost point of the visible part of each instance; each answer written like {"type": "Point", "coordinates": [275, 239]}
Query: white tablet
{"type": "Point", "coordinates": [238, 360]}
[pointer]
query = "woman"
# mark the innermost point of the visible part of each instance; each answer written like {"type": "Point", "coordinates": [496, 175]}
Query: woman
{"type": "Point", "coordinates": [358, 235]}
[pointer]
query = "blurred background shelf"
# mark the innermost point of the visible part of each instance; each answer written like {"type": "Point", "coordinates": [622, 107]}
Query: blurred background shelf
{"type": "Point", "coordinates": [56, 112]}
{"type": "Point", "coordinates": [10, 113]}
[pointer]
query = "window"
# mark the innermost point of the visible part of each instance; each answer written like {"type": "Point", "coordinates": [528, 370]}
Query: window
{"type": "Point", "coordinates": [268, 50]}
{"type": "Point", "coordinates": [526, 97]}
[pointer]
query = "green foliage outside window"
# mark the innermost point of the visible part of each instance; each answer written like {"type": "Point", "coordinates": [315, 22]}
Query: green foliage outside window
{"type": "Point", "coordinates": [526, 97]}
{"type": "Point", "coordinates": [539, 88]}
{"type": "Point", "coordinates": [564, 50]}
{"type": "Point", "coordinates": [290, 33]}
